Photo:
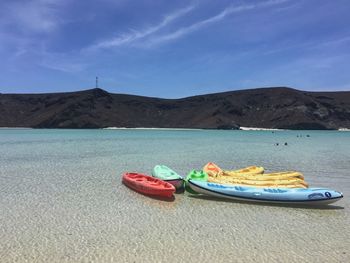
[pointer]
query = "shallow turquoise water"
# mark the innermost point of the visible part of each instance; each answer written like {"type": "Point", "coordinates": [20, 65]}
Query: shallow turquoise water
{"type": "Point", "coordinates": [61, 197]}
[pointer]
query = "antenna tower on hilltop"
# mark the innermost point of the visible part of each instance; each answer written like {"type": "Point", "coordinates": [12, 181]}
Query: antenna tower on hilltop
{"type": "Point", "coordinates": [96, 82]}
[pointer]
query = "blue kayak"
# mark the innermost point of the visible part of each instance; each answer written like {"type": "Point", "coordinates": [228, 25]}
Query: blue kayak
{"type": "Point", "coordinates": [315, 196]}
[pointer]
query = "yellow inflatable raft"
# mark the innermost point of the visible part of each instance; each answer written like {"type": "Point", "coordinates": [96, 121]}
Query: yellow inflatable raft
{"type": "Point", "coordinates": [290, 183]}
{"type": "Point", "coordinates": [253, 176]}
{"type": "Point", "coordinates": [213, 170]}
{"type": "Point", "coordinates": [263, 177]}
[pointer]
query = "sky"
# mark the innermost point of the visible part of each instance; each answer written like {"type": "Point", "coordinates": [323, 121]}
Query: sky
{"type": "Point", "coordinates": [173, 49]}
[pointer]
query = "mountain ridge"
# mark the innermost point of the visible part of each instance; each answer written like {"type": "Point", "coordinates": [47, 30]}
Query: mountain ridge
{"type": "Point", "coordinates": [270, 107]}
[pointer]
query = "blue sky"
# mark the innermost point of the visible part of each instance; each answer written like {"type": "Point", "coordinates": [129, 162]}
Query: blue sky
{"type": "Point", "coordinates": [173, 48]}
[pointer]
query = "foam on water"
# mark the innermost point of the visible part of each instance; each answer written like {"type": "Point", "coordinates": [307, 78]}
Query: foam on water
{"type": "Point", "coordinates": [61, 197]}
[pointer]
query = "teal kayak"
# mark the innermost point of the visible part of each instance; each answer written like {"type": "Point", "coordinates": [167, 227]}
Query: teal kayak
{"type": "Point", "coordinates": [305, 196]}
{"type": "Point", "coordinates": [195, 176]}
{"type": "Point", "coordinates": [168, 175]}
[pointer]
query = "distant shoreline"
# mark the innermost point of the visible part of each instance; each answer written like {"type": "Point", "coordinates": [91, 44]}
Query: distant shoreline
{"type": "Point", "coordinates": [144, 128]}
{"type": "Point", "coordinates": [165, 129]}
{"type": "Point", "coordinates": [259, 129]}
{"type": "Point", "coordinates": [17, 128]}
{"type": "Point", "coordinates": [194, 129]}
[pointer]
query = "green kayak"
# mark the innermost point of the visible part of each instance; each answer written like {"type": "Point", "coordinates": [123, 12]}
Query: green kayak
{"type": "Point", "coordinates": [168, 175]}
{"type": "Point", "coordinates": [195, 176]}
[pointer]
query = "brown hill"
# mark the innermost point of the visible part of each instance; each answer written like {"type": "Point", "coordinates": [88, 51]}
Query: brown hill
{"type": "Point", "coordinates": [96, 108]}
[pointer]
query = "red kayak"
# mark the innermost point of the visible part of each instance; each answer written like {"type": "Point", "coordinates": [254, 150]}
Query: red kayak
{"type": "Point", "coordinates": [148, 185]}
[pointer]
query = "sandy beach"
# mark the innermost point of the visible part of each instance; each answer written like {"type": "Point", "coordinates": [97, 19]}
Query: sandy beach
{"type": "Point", "coordinates": [258, 129]}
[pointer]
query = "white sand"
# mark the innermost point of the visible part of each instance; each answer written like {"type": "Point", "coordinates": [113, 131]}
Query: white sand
{"type": "Point", "coordinates": [258, 129]}
{"type": "Point", "coordinates": [143, 128]}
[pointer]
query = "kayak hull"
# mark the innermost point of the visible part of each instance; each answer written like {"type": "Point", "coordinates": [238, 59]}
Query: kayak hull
{"type": "Point", "coordinates": [195, 175]}
{"type": "Point", "coordinates": [166, 174]}
{"type": "Point", "coordinates": [177, 183]}
{"type": "Point", "coordinates": [309, 196]}
{"type": "Point", "coordinates": [148, 185]}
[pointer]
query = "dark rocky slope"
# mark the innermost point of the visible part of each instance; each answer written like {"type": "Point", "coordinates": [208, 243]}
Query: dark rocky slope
{"type": "Point", "coordinates": [96, 108]}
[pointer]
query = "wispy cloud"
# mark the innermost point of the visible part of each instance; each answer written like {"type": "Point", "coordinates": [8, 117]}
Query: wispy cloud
{"type": "Point", "coordinates": [331, 43]}
{"type": "Point", "coordinates": [222, 15]}
{"type": "Point", "coordinates": [63, 66]}
{"type": "Point", "coordinates": [334, 42]}
{"type": "Point", "coordinates": [313, 71]}
{"type": "Point", "coordinates": [64, 62]}
{"type": "Point", "coordinates": [35, 16]}
{"type": "Point", "coordinates": [136, 35]}
{"type": "Point", "coordinates": [26, 26]}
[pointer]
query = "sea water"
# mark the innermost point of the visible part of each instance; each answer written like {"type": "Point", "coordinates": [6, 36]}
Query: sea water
{"type": "Point", "coordinates": [62, 200]}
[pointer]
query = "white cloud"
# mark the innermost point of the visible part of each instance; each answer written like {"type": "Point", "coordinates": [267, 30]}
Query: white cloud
{"type": "Point", "coordinates": [136, 35]}
{"type": "Point", "coordinates": [61, 62]}
{"type": "Point", "coordinates": [196, 26]}
{"type": "Point", "coordinates": [319, 44]}
{"type": "Point", "coordinates": [63, 66]}
{"type": "Point", "coordinates": [36, 16]}
{"type": "Point", "coordinates": [26, 26]}
{"type": "Point", "coordinates": [334, 42]}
